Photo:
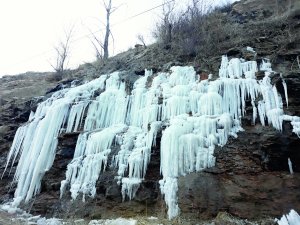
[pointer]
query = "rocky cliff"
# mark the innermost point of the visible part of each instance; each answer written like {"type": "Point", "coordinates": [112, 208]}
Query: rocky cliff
{"type": "Point", "coordinates": [251, 178]}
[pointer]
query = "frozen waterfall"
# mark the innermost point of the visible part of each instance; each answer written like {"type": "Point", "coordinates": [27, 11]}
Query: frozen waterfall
{"type": "Point", "coordinates": [292, 218]}
{"type": "Point", "coordinates": [193, 117]}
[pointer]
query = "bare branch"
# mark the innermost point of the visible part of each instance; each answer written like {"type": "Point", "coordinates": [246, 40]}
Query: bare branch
{"type": "Point", "coordinates": [113, 40]}
{"type": "Point", "coordinates": [97, 44]}
{"type": "Point", "coordinates": [109, 10]}
{"type": "Point", "coordinates": [141, 39]}
{"type": "Point", "coordinates": [168, 8]}
{"type": "Point", "coordinates": [62, 50]}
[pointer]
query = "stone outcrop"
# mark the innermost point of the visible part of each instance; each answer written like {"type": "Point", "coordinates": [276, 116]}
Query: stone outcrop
{"type": "Point", "coordinates": [19, 95]}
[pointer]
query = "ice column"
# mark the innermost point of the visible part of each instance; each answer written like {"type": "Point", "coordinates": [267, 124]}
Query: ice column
{"type": "Point", "coordinates": [292, 218]}
{"type": "Point", "coordinates": [90, 160]}
{"type": "Point", "coordinates": [134, 156]}
{"type": "Point", "coordinates": [109, 107]}
{"type": "Point", "coordinates": [290, 166]}
{"type": "Point", "coordinates": [36, 141]}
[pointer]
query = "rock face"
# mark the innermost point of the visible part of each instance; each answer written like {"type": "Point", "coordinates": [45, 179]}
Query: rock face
{"type": "Point", "coordinates": [243, 195]}
{"type": "Point", "coordinates": [19, 95]}
{"type": "Point", "coordinates": [261, 9]}
{"type": "Point", "coordinates": [251, 178]}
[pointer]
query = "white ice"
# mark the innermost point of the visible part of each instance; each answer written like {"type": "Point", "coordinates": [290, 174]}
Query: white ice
{"type": "Point", "coordinates": [118, 221]}
{"type": "Point", "coordinates": [290, 166]}
{"type": "Point", "coordinates": [292, 218]}
{"type": "Point", "coordinates": [250, 49]}
{"type": "Point", "coordinates": [192, 116]}
{"type": "Point", "coordinates": [90, 159]}
{"type": "Point", "coordinates": [35, 142]}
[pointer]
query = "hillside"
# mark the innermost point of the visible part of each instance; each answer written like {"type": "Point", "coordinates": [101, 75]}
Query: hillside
{"type": "Point", "coordinates": [251, 177]}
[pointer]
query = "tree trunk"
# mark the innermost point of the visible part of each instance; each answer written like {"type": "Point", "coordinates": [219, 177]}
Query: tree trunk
{"type": "Point", "coordinates": [106, 38]}
{"type": "Point", "coordinates": [109, 10]}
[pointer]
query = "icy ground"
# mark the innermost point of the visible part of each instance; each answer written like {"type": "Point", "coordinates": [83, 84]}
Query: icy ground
{"type": "Point", "coordinates": [26, 219]}
{"type": "Point", "coordinates": [23, 218]}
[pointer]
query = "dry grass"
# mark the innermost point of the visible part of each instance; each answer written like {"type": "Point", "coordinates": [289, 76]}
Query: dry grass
{"type": "Point", "coordinates": [200, 29]}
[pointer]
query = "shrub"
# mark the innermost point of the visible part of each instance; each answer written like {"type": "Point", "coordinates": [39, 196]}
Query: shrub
{"type": "Point", "coordinates": [198, 30]}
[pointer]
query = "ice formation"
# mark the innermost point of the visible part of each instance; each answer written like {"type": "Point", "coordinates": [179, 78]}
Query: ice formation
{"type": "Point", "coordinates": [292, 218]}
{"type": "Point", "coordinates": [250, 49]}
{"type": "Point", "coordinates": [117, 221]}
{"type": "Point", "coordinates": [192, 116]}
{"type": "Point", "coordinates": [19, 216]}
{"type": "Point", "coordinates": [36, 141]}
{"type": "Point", "coordinates": [290, 166]}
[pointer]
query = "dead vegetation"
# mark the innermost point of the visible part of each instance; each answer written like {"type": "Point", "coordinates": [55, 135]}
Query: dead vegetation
{"type": "Point", "coordinates": [202, 32]}
{"type": "Point", "coordinates": [200, 28]}
{"type": "Point", "coordinates": [200, 35]}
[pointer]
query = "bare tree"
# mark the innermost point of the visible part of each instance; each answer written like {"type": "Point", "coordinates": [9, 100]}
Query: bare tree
{"type": "Point", "coordinates": [109, 10]}
{"type": "Point", "coordinates": [198, 8]}
{"type": "Point", "coordinates": [98, 46]}
{"type": "Point", "coordinates": [168, 8]}
{"type": "Point", "coordinates": [101, 46]}
{"type": "Point", "coordinates": [62, 50]}
{"type": "Point", "coordinates": [193, 9]}
{"type": "Point", "coordinates": [164, 28]}
{"type": "Point", "coordinates": [140, 37]}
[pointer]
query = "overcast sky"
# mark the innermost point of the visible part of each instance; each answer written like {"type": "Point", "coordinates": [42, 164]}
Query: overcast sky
{"type": "Point", "coordinates": [30, 28]}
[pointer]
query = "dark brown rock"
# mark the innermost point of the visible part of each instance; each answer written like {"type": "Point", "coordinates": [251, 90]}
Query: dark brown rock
{"type": "Point", "coordinates": [263, 195]}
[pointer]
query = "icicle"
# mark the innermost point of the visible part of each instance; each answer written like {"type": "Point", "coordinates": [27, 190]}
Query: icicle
{"type": "Point", "coordinates": [176, 92]}
{"type": "Point", "coordinates": [235, 68]}
{"type": "Point", "coordinates": [174, 106]}
{"type": "Point", "coordinates": [109, 107]}
{"type": "Point", "coordinates": [139, 100]}
{"type": "Point", "coordinates": [84, 170]}
{"type": "Point", "coordinates": [20, 135]}
{"type": "Point", "coordinates": [223, 72]}
{"type": "Point", "coordinates": [296, 127]}
{"type": "Point", "coordinates": [211, 104]}
{"type": "Point", "coordinates": [134, 156]}
{"type": "Point", "coordinates": [169, 188]}
{"type": "Point", "coordinates": [170, 151]}
{"type": "Point", "coordinates": [182, 75]}
{"type": "Point", "coordinates": [275, 118]}
{"type": "Point", "coordinates": [31, 116]}
{"type": "Point", "coordinates": [76, 116]}
{"type": "Point", "coordinates": [225, 125]}
{"type": "Point", "coordinates": [285, 91]}
{"type": "Point", "coordinates": [249, 69]}
{"type": "Point", "coordinates": [262, 112]}
{"type": "Point", "coordinates": [292, 218]}
{"type": "Point", "coordinates": [266, 65]}
{"type": "Point", "coordinates": [36, 142]}
{"type": "Point", "coordinates": [290, 166]}
{"type": "Point", "coordinates": [130, 187]}
{"type": "Point", "coordinates": [121, 159]}
{"type": "Point", "coordinates": [38, 156]}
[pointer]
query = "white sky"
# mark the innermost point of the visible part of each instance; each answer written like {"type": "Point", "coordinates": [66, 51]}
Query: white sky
{"type": "Point", "coordinates": [30, 28]}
